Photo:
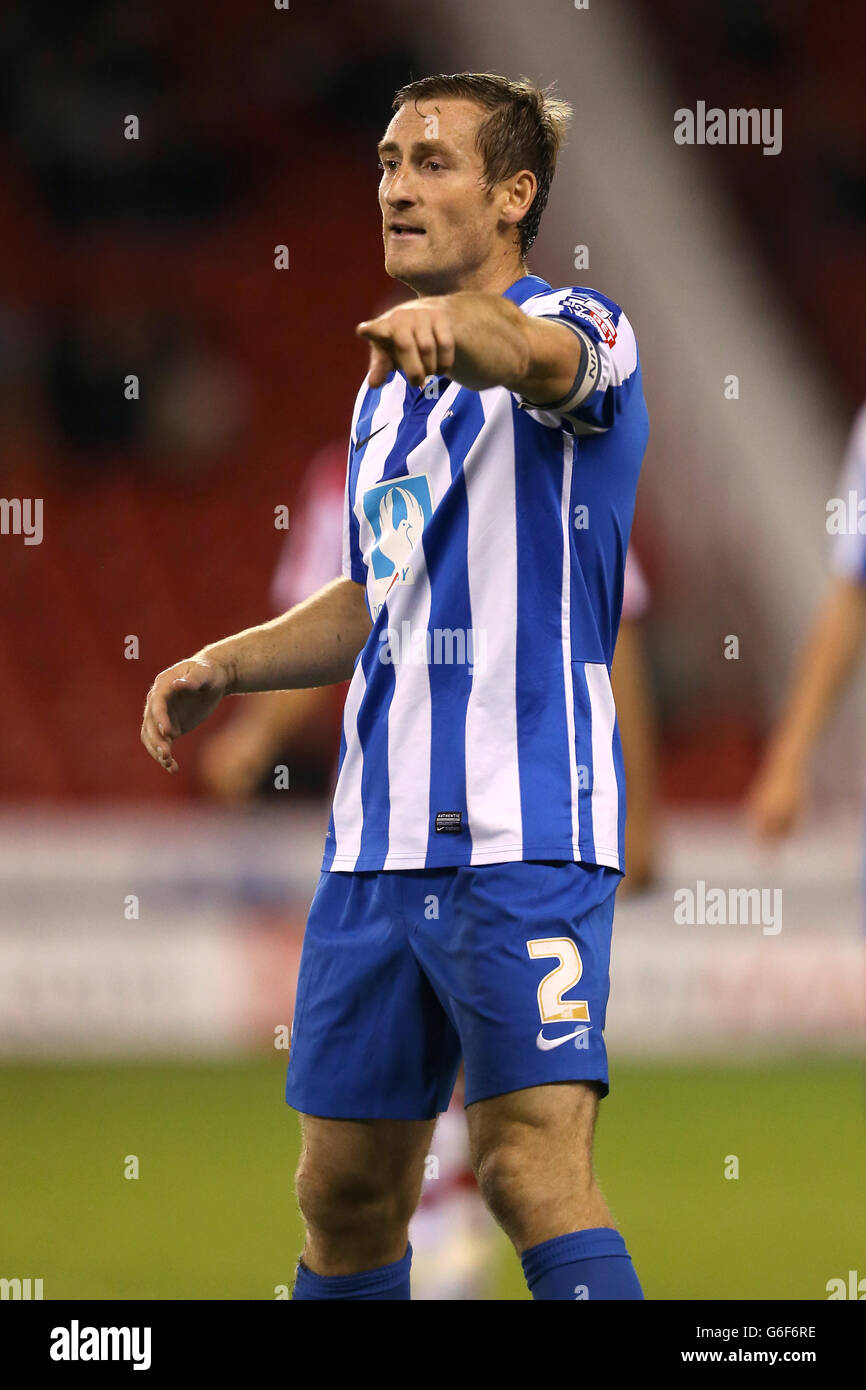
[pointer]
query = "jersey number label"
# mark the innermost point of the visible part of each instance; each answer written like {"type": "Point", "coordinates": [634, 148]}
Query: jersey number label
{"type": "Point", "coordinates": [551, 1005]}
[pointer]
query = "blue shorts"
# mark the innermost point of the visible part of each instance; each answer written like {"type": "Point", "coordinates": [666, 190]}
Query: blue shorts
{"type": "Point", "coordinates": [405, 971]}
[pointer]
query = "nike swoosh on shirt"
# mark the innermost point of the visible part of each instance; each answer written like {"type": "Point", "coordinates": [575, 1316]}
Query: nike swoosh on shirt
{"type": "Point", "coordinates": [545, 1044]}
{"type": "Point", "coordinates": [359, 443]}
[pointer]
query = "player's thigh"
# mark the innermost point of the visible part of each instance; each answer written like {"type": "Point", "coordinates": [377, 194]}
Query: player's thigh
{"type": "Point", "coordinates": [520, 957]}
{"type": "Point", "coordinates": [370, 1038]}
{"type": "Point", "coordinates": [362, 1163]}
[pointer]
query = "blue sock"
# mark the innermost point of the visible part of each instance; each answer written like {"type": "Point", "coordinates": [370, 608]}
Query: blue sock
{"type": "Point", "coordinates": [389, 1281]}
{"type": "Point", "coordinates": [586, 1264]}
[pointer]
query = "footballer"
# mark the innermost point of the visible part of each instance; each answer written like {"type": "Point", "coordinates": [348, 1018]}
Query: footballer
{"type": "Point", "coordinates": [475, 845]}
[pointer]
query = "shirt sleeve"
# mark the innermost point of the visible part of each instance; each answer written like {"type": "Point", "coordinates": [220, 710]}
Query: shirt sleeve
{"type": "Point", "coordinates": [846, 513]}
{"type": "Point", "coordinates": [608, 363]}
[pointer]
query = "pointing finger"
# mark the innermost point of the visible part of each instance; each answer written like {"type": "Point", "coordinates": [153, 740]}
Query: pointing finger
{"type": "Point", "coordinates": [381, 365]}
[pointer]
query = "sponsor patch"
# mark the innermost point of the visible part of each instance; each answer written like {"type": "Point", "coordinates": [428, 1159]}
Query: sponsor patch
{"type": "Point", "coordinates": [583, 306]}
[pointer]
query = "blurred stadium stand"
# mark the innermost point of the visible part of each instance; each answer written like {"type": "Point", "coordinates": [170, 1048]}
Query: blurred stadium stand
{"type": "Point", "coordinates": [807, 212]}
{"type": "Point", "coordinates": [155, 257]}
{"type": "Point", "coordinates": [159, 513]}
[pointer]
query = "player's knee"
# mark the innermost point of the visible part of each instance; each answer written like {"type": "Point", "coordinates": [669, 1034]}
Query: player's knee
{"type": "Point", "coordinates": [526, 1169]}
{"type": "Point", "coordinates": [503, 1172]}
{"type": "Point", "coordinates": [339, 1203]}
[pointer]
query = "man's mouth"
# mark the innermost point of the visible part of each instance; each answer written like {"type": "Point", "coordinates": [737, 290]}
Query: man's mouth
{"type": "Point", "coordinates": [403, 231]}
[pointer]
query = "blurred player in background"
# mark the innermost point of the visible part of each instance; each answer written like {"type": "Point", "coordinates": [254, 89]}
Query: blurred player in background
{"type": "Point", "coordinates": [828, 661]}
{"type": "Point", "coordinates": [635, 716]}
{"type": "Point", "coordinates": [236, 759]}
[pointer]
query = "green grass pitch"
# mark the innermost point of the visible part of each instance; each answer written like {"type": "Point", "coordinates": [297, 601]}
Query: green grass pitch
{"type": "Point", "coordinates": [212, 1213]}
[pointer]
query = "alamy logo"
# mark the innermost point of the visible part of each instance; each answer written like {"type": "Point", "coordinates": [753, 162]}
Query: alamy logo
{"type": "Point", "coordinates": [736, 126]}
{"type": "Point", "coordinates": [22, 1289]}
{"type": "Point", "coordinates": [76, 1343]}
{"type": "Point", "coordinates": [855, 1287]}
{"type": "Point", "coordinates": [22, 516]}
{"type": "Point", "coordinates": [847, 517]}
{"type": "Point", "coordinates": [438, 646]}
{"type": "Point", "coordinates": [719, 907]}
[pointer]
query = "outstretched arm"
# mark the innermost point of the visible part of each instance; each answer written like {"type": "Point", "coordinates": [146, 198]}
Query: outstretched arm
{"type": "Point", "coordinates": [479, 340]}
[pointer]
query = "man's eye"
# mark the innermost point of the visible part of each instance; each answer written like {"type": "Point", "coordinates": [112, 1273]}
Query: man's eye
{"type": "Point", "coordinates": [433, 164]}
{"type": "Point", "coordinates": [386, 164]}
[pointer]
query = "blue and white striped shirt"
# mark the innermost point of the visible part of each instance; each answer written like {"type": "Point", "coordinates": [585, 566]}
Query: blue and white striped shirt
{"type": "Point", "coordinates": [491, 537]}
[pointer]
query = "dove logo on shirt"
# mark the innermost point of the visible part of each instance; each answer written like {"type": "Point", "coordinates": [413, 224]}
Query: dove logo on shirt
{"type": "Point", "coordinates": [397, 510]}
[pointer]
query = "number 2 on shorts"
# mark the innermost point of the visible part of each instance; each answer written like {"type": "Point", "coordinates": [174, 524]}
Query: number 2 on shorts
{"type": "Point", "coordinates": [551, 1006]}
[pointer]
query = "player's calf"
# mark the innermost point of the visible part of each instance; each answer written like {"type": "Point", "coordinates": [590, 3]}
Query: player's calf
{"type": "Point", "coordinates": [533, 1199]}
{"type": "Point", "coordinates": [532, 1153]}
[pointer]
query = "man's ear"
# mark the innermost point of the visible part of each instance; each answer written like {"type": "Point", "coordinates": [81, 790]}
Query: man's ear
{"type": "Point", "coordinates": [519, 195]}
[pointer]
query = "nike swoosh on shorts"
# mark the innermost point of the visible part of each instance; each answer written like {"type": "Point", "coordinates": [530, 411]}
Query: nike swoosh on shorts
{"type": "Point", "coordinates": [545, 1044]}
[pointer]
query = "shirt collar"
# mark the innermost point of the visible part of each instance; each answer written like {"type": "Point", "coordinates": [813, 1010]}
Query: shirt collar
{"type": "Point", "coordinates": [525, 288]}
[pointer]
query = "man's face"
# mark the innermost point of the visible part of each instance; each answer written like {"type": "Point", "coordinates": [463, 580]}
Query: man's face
{"type": "Point", "coordinates": [440, 225]}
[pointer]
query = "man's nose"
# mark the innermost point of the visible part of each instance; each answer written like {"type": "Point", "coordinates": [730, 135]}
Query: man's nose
{"type": "Point", "coordinates": [401, 188]}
